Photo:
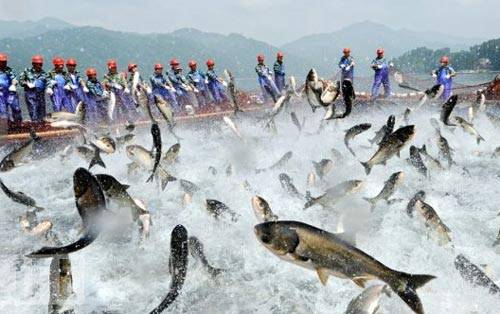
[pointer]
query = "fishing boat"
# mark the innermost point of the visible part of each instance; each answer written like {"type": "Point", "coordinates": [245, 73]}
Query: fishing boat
{"type": "Point", "coordinates": [248, 102]}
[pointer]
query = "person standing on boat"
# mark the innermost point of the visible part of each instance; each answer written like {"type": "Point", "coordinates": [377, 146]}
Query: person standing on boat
{"type": "Point", "coordinates": [116, 83]}
{"type": "Point", "coordinates": [381, 68]}
{"type": "Point", "coordinates": [34, 81]}
{"type": "Point", "coordinates": [9, 99]}
{"type": "Point", "coordinates": [162, 86]}
{"type": "Point", "coordinates": [444, 76]}
{"type": "Point", "coordinates": [265, 80]}
{"type": "Point", "coordinates": [279, 72]}
{"type": "Point", "coordinates": [199, 80]}
{"type": "Point", "coordinates": [58, 86]}
{"type": "Point", "coordinates": [180, 84]}
{"type": "Point", "coordinates": [215, 84]}
{"type": "Point", "coordinates": [76, 93]}
{"type": "Point", "coordinates": [346, 65]}
{"type": "Point", "coordinates": [96, 98]}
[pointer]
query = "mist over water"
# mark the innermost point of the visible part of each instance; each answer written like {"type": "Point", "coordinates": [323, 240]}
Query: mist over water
{"type": "Point", "coordinates": [113, 274]}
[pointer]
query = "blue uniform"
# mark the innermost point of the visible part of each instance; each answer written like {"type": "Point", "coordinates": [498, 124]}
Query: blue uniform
{"type": "Point", "coordinates": [96, 108]}
{"type": "Point", "coordinates": [178, 81]}
{"type": "Point", "coordinates": [75, 94]}
{"type": "Point", "coordinates": [9, 100]}
{"type": "Point", "coordinates": [34, 96]}
{"type": "Point", "coordinates": [279, 75]}
{"type": "Point", "coordinates": [346, 65]}
{"type": "Point", "coordinates": [216, 88]}
{"type": "Point", "coordinates": [445, 77]}
{"type": "Point", "coordinates": [59, 83]}
{"type": "Point", "coordinates": [266, 82]}
{"type": "Point", "coordinates": [381, 68]}
{"type": "Point", "coordinates": [198, 80]}
{"type": "Point", "coordinates": [158, 83]}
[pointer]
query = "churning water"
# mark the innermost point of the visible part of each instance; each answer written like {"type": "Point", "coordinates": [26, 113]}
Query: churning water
{"type": "Point", "coordinates": [114, 275]}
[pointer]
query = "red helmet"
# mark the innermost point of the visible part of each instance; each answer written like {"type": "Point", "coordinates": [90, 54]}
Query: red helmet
{"type": "Point", "coordinates": [380, 51]}
{"type": "Point", "coordinates": [260, 58]}
{"type": "Point", "coordinates": [3, 57]}
{"type": "Point", "coordinates": [346, 50]}
{"type": "Point", "coordinates": [174, 62]}
{"type": "Point", "coordinates": [444, 59]}
{"type": "Point", "coordinates": [158, 66]}
{"type": "Point", "coordinates": [57, 61]}
{"type": "Point", "coordinates": [71, 62]}
{"type": "Point", "coordinates": [38, 59]}
{"type": "Point", "coordinates": [279, 55]}
{"type": "Point", "coordinates": [111, 64]}
{"type": "Point", "coordinates": [192, 63]}
{"type": "Point", "coordinates": [131, 66]}
{"type": "Point", "coordinates": [210, 63]}
{"type": "Point", "coordinates": [91, 71]}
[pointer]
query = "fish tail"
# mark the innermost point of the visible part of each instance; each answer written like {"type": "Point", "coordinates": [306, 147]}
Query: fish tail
{"type": "Point", "coordinates": [84, 241]}
{"type": "Point", "coordinates": [371, 201]}
{"type": "Point", "coordinates": [96, 160]}
{"type": "Point", "coordinates": [165, 178]}
{"type": "Point", "coordinates": [406, 285]}
{"type": "Point", "coordinates": [367, 167]}
{"type": "Point", "coordinates": [479, 138]}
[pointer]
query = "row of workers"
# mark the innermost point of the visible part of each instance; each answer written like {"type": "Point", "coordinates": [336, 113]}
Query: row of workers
{"type": "Point", "coordinates": [66, 88]}
{"type": "Point", "coordinates": [444, 73]}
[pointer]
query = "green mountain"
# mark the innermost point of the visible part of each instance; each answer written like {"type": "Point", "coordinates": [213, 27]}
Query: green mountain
{"type": "Point", "coordinates": [93, 46]}
{"type": "Point", "coordinates": [23, 29]}
{"type": "Point", "coordinates": [485, 56]}
{"type": "Point", "coordinates": [364, 38]}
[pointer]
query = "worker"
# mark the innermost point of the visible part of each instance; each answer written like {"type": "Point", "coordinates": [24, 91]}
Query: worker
{"type": "Point", "coordinates": [444, 76]}
{"type": "Point", "coordinates": [279, 72]}
{"type": "Point", "coordinates": [346, 65]}
{"type": "Point", "coordinates": [199, 80]}
{"type": "Point", "coordinates": [58, 86]}
{"type": "Point", "coordinates": [181, 85]}
{"type": "Point", "coordinates": [116, 83]}
{"type": "Point", "coordinates": [161, 86]}
{"type": "Point", "coordinates": [34, 81]}
{"type": "Point", "coordinates": [266, 81]}
{"type": "Point", "coordinates": [215, 84]}
{"type": "Point", "coordinates": [76, 93]}
{"type": "Point", "coordinates": [9, 99]}
{"type": "Point", "coordinates": [96, 99]}
{"type": "Point", "coordinates": [381, 68]}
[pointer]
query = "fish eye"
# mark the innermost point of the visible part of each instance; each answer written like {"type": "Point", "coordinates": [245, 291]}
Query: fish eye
{"type": "Point", "coordinates": [265, 238]}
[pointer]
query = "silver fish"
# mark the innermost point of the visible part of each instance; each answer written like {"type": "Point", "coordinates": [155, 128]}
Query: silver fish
{"type": "Point", "coordinates": [328, 254]}
{"type": "Point", "coordinates": [388, 190]}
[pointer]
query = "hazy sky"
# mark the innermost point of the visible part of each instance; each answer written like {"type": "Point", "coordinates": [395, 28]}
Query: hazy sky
{"type": "Point", "coordinates": [274, 21]}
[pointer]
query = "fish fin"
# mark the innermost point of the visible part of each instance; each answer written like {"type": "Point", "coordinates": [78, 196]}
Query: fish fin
{"type": "Point", "coordinates": [360, 281]}
{"type": "Point", "coordinates": [125, 186]}
{"type": "Point", "coordinates": [406, 285]}
{"type": "Point", "coordinates": [371, 201]}
{"type": "Point", "coordinates": [323, 275]}
{"type": "Point", "coordinates": [96, 160]}
{"type": "Point", "coordinates": [348, 237]}
{"type": "Point", "coordinates": [367, 167]}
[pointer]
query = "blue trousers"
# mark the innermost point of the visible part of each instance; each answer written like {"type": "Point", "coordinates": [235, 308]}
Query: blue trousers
{"type": "Point", "coordinates": [61, 101]}
{"type": "Point", "coordinates": [381, 78]}
{"type": "Point", "coordinates": [35, 101]}
{"type": "Point", "coordinates": [217, 91]}
{"type": "Point", "coordinates": [10, 101]}
{"type": "Point", "coordinates": [269, 89]}
{"type": "Point", "coordinates": [280, 82]}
